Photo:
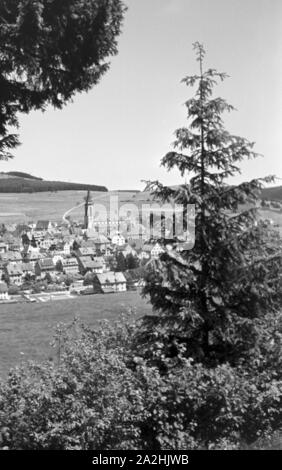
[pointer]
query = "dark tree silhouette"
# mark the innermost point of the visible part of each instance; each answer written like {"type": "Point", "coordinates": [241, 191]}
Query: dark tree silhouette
{"type": "Point", "coordinates": [49, 50]}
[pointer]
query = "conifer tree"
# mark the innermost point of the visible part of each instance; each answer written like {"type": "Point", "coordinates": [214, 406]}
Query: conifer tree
{"type": "Point", "coordinates": [120, 262]}
{"type": "Point", "coordinates": [209, 299]}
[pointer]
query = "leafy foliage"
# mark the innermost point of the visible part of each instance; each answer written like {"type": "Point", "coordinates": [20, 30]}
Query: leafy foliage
{"type": "Point", "coordinates": [51, 49]}
{"type": "Point", "coordinates": [101, 395]}
{"type": "Point", "coordinates": [132, 262]}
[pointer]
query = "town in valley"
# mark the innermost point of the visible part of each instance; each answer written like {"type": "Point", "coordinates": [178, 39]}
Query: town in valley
{"type": "Point", "coordinates": [46, 260]}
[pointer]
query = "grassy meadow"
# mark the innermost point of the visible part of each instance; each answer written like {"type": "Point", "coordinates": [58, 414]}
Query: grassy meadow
{"type": "Point", "coordinates": [24, 207]}
{"type": "Point", "coordinates": [26, 329]}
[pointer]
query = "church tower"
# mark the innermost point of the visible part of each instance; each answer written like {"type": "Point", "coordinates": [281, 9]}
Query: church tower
{"type": "Point", "coordinates": [88, 211]}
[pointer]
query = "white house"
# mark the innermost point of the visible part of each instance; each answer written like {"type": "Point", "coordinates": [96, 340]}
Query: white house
{"type": "Point", "coordinates": [128, 250]}
{"type": "Point", "coordinates": [67, 248]}
{"type": "Point", "coordinates": [43, 226]}
{"type": "Point", "coordinates": [118, 239]}
{"type": "Point", "coordinates": [70, 266]}
{"type": "Point", "coordinates": [46, 243]}
{"type": "Point", "coordinates": [3, 247]}
{"type": "Point", "coordinates": [4, 291]}
{"type": "Point", "coordinates": [110, 282]}
{"type": "Point", "coordinates": [15, 273]}
{"type": "Point", "coordinates": [157, 250]}
{"type": "Point", "coordinates": [57, 257]}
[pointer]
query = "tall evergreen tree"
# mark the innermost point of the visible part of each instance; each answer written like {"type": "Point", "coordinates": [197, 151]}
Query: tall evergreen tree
{"type": "Point", "coordinates": [208, 299]}
{"type": "Point", "coordinates": [132, 261]}
{"type": "Point", "coordinates": [120, 262]}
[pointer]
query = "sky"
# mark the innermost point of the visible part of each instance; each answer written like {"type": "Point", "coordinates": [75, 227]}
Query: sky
{"type": "Point", "coordinates": [116, 134]}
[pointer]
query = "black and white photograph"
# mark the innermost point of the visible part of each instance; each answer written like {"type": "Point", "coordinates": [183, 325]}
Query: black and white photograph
{"type": "Point", "coordinates": [140, 230]}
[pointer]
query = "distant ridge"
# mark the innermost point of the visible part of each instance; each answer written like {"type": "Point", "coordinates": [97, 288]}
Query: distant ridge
{"type": "Point", "coordinates": [20, 174]}
{"type": "Point", "coordinates": [20, 182]}
{"type": "Point", "coordinates": [272, 194]}
{"type": "Point", "coordinates": [128, 190]}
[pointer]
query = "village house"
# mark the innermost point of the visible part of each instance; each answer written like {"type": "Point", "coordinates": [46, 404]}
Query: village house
{"type": "Point", "coordinates": [23, 229]}
{"type": "Point", "coordinates": [87, 264]}
{"type": "Point", "coordinates": [38, 236]}
{"type": "Point", "coordinates": [99, 266]}
{"type": "Point", "coordinates": [2, 269]}
{"type": "Point", "coordinates": [4, 291]}
{"type": "Point", "coordinates": [67, 247]}
{"type": "Point", "coordinates": [88, 251]}
{"type": "Point", "coordinates": [144, 255]}
{"type": "Point", "coordinates": [118, 239]}
{"type": "Point", "coordinates": [56, 245]}
{"type": "Point", "coordinates": [15, 245]}
{"type": "Point", "coordinates": [43, 226]}
{"type": "Point", "coordinates": [28, 269]}
{"type": "Point", "coordinates": [44, 266]}
{"type": "Point", "coordinates": [87, 242]}
{"type": "Point", "coordinates": [58, 257]}
{"type": "Point", "coordinates": [157, 250]}
{"type": "Point", "coordinates": [101, 243]}
{"type": "Point", "coordinates": [110, 282]}
{"type": "Point", "coordinates": [46, 243]}
{"type": "Point", "coordinates": [145, 252]}
{"type": "Point", "coordinates": [14, 273]}
{"type": "Point", "coordinates": [13, 256]}
{"type": "Point", "coordinates": [11, 227]}
{"type": "Point", "coordinates": [31, 256]}
{"type": "Point", "coordinates": [77, 286]}
{"type": "Point", "coordinates": [43, 231]}
{"type": "Point", "coordinates": [3, 247]}
{"type": "Point", "coordinates": [127, 250]}
{"type": "Point", "coordinates": [70, 266]}
{"type": "Point", "coordinates": [102, 261]}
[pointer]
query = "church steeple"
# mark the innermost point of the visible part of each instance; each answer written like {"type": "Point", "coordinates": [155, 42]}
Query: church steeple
{"type": "Point", "coordinates": [88, 211]}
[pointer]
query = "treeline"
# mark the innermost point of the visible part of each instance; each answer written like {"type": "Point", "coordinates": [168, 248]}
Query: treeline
{"type": "Point", "coordinates": [273, 194]}
{"type": "Point", "coordinates": [22, 185]}
{"type": "Point", "coordinates": [21, 174]}
{"type": "Point", "coordinates": [129, 191]}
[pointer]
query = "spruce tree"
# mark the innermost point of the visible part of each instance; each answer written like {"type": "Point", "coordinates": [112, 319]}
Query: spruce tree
{"type": "Point", "coordinates": [120, 262]}
{"type": "Point", "coordinates": [208, 300]}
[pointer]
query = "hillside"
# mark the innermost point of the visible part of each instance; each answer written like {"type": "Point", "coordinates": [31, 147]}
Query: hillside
{"type": "Point", "coordinates": [19, 182]}
{"type": "Point", "coordinates": [21, 174]}
{"type": "Point", "coordinates": [272, 194]}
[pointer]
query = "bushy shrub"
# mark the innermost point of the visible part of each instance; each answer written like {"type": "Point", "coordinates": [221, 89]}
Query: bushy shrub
{"type": "Point", "coordinates": [100, 395]}
{"type": "Point", "coordinates": [89, 400]}
{"type": "Point", "coordinates": [13, 290]}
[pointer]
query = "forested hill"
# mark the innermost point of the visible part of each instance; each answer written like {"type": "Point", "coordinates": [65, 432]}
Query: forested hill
{"type": "Point", "coordinates": [272, 194]}
{"type": "Point", "coordinates": [19, 182]}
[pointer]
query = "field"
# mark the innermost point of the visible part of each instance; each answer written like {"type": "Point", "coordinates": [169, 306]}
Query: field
{"type": "Point", "coordinates": [19, 208]}
{"type": "Point", "coordinates": [25, 207]}
{"type": "Point", "coordinates": [26, 329]}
